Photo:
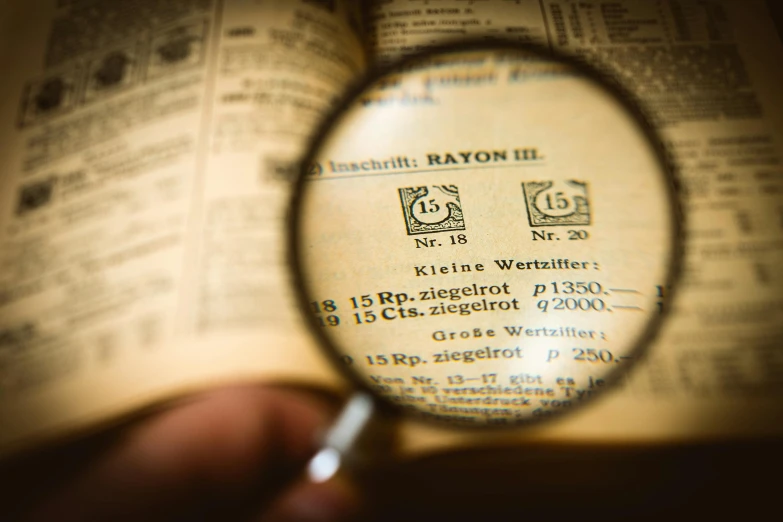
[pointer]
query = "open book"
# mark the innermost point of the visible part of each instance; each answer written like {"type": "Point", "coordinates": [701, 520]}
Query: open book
{"type": "Point", "coordinates": [146, 153]}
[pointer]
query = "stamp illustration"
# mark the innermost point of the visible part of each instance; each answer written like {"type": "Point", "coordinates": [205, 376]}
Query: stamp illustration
{"type": "Point", "coordinates": [177, 48]}
{"type": "Point", "coordinates": [111, 72]}
{"type": "Point", "coordinates": [93, 77]}
{"type": "Point", "coordinates": [50, 96]}
{"type": "Point", "coordinates": [429, 209]}
{"type": "Point", "coordinates": [556, 203]}
{"type": "Point", "coordinates": [35, 195]}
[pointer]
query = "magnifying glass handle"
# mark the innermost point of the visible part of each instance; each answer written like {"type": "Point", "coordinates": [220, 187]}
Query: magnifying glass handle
{"type": "Point", "coordinates": [342, 437]}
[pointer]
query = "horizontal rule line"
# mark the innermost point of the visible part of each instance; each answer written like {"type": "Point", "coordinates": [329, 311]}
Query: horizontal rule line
{"type": "Point", "coordinates": [626, 307]}
{"type": "Point", "coordinates": [417, 171]}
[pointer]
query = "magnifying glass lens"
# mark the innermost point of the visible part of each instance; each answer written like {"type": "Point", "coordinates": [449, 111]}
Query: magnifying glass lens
{"type": "Point", "coordinates": [481, 236]}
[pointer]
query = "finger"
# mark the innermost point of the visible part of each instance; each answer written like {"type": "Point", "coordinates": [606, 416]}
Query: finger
{"type": "Point", "coordinates": [215, 451]}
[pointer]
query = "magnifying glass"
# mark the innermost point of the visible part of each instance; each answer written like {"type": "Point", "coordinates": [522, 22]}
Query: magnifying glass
{"type": "Point", "coordinates": [481, 235]}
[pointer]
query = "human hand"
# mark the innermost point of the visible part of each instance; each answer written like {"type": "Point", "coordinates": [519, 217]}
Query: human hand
{"type": "Point", "coordinates": [224, 455]}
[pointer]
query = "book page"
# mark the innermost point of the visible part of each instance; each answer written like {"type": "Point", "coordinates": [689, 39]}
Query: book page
{"type": "Point", "coordinates": [709, 73]}
{"type": "Point", "coordinates": [144, 171]}
{"type": "Point", "coordinates": [147, 150]}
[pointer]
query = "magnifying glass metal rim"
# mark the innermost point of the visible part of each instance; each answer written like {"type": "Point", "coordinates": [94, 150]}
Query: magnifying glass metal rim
{"type": "Point", "coordinates": [630, 103]}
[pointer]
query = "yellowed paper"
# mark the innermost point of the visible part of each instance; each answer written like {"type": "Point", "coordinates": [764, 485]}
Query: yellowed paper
{"type": "Point", "coordinates": [709, 73]}
{"type": "Point", "coordinates": [144, 169]}
{"type": "Point", "coordinates": [146, 152]}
